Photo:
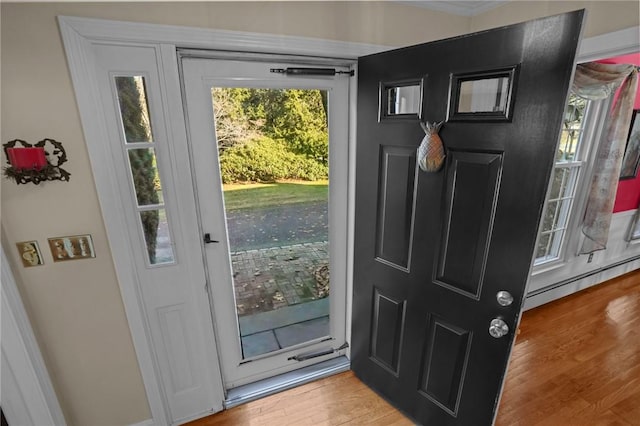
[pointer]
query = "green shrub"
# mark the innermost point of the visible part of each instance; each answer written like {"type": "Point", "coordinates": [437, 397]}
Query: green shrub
{"type": "Point", "coordinates": [263, 159]}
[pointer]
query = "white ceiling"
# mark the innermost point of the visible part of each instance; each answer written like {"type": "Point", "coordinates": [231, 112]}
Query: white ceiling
{"type": "Point", "coordinates": [464, 8]}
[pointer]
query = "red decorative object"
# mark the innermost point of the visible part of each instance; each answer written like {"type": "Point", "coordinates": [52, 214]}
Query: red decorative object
{"type": "Point", "coordinates": [35, 163]}
{"type": "Point", "coordinates": [27, 158]}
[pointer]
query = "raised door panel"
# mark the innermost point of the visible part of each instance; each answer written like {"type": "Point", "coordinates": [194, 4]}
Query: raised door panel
{"type": "Point", "coordinates": [473, 181]}
{"type": "Point", "coordinates": [395, 206]}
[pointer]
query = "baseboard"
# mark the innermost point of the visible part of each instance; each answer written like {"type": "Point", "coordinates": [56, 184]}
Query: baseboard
{"type": "Point", "coordinates": [568, 287]}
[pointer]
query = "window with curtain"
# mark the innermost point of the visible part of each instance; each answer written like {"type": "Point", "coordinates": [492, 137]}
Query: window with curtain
{"type": "Point", "coordinates": [573, 151]}
{"type": "Point", "coordinates": [586, 115]}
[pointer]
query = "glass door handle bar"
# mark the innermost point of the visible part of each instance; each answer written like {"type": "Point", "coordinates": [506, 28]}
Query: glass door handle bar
{"type": "Point", "coordinates": [315, 354]}
{"type": "Point", "coordinates": [207, 239]}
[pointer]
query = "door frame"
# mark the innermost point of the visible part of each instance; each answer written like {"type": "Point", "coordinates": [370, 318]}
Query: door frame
{"type": "Point", "coordinates": [200, 73]}
{"type": "Point", "coordinates": [79, 33]}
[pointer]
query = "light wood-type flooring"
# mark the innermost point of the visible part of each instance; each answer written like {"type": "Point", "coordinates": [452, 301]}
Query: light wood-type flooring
{"type": "Point", "coordinates": [576, 362]}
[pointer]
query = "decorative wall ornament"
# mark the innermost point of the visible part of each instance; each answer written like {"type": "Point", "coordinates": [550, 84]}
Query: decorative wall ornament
{"type": "Point", "coordinates": [71, 248]}
{"type": "Point", "coordinates": [431, 151]}
{"type": "Point", "coordinates": [35, 163]}
{"type": "Point", "coordinates": [30, 253]}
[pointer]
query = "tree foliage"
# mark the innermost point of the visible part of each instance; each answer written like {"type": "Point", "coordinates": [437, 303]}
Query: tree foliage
{"type": "Point", "coordinates": [285, 125]}
{"type": "Point", "coordinates": [137, 128]}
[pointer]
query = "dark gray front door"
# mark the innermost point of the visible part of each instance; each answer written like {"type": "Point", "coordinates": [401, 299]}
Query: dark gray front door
{"type": "Point", "coordinates": [433, 250]}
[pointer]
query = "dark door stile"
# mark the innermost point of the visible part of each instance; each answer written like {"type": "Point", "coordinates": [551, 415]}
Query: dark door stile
{"type": "Point", "coordinates": [432, 250]}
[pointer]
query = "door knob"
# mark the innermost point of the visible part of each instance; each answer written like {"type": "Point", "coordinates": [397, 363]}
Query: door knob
{"type": "Point", "coordinates": [504, 298]}
{"type": "Point", "coordinates": [498, 328]}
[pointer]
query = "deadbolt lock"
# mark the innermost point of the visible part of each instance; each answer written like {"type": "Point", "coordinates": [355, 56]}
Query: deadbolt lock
{"type": "Point", "coordinates": [504, 298]}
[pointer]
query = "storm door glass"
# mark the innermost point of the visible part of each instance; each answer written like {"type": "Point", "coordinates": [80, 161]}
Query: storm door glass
{"type": "Point", "coordinates": [273, 147]}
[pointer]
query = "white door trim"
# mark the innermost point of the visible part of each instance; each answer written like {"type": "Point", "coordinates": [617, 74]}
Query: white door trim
{"type": "Point", "coordinates": [27, 395]}
{"type": "Point", "coordinates": [78, 33]}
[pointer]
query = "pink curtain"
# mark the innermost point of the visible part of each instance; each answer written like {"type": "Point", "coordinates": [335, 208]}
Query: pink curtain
{"type": "Point", "coordinates": [595, 81]}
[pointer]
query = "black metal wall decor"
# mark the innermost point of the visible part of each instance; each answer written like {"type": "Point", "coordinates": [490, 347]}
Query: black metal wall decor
{"type": "Point", "coordinates": [35, 163]}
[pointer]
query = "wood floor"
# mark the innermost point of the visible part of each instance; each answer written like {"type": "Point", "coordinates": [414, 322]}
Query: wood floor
{"type": "Point", "coordinates": [576, 362]}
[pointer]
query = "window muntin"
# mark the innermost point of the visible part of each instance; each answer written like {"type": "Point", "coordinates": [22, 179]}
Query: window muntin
{"type": "Point", "coordinates": [140, 151]}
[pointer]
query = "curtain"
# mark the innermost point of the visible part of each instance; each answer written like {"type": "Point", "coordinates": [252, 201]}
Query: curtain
{"type": "Point", "coordinates": [594, 81]}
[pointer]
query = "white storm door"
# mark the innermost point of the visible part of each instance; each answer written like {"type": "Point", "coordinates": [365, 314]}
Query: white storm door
{"type": "Point", "coordinates": [258, 336]}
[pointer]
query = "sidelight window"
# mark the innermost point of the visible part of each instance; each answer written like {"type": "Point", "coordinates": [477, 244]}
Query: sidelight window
{"type": "Point", "coordinates": [144, 174]}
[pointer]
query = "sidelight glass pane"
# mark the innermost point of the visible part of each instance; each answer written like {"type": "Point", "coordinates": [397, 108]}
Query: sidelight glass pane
{"type": "Point", "coordinates": [484, 95]}
{"type": "Point", "coordinates": [273, 146]}
{"type": "Point", "coordinates": [146, 179]}
{"type": "Point", "coordinates": [134, 110]}
{"type": "Point", "coordinates": [156, 234]}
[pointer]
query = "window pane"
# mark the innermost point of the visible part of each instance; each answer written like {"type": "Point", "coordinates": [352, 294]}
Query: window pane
{"type": "Point", "coordinates": [403, 100]}
{"type": "Point", "coordinates": [568, 149]}
{"type": "Point", "coordinates": [486, 95]}
{"type": "Point", "coordinates": [156, 235]}
{"type": "Point", "coordinates": [550, 216]}
{"type": "Point", "coordinates": [273, 146]}
{"type": "Point", "coordinates": [134, 111]}
{"type": "Point", "coordinates": [543, 245]}
{"type": "Point", "coordinates": [146, 179]}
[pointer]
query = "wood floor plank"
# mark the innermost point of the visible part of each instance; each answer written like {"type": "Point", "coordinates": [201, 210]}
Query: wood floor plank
{"type": "Point", "coordinates": [576, 362]}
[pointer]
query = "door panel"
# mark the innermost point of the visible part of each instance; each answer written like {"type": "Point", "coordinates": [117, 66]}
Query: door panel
{"type": "Point", "coordinates": [445, 359]}
{"type": "Point", "coordinates": [469, 209]}
{"type": "Point", "coordinates": [395, 208]}
{"type": "Point", "coordinates": [386, 330]}
{"type": "Point", "coordinates": [432, 250]}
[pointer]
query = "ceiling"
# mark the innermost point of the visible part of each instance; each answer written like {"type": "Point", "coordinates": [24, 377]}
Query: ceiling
{"type": "Point", "coordinates": [464, 8]}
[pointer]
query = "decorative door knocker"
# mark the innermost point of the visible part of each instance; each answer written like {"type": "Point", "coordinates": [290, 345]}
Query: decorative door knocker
{"type": "Point", "coordinates": [431, 151]}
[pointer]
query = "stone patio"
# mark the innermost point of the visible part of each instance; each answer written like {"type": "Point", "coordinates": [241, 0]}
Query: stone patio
{"type": "Point", "coordinates": [272, 278]}
{"type": "Point", "coordinates": [281, 296]}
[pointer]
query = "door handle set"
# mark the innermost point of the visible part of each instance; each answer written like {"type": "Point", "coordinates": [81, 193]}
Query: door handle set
{"type": "Point", "coordinates": [207, 239]}
{"type": "Point", "coordinates": [498, 328]}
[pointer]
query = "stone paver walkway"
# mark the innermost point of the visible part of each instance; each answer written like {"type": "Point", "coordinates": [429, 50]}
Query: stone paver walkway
{"type": "Point", "coordinates": [271, 278]}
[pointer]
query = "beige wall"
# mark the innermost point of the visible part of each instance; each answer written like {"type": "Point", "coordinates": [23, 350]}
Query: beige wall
{"type": "Point", "coordinates": [603, 16]}
{"type": "Point", "coordinates": [76, 307]}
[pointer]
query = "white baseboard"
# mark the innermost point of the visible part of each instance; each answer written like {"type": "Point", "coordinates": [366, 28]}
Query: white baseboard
{"type": "Point", "coordinates": [556, 292]}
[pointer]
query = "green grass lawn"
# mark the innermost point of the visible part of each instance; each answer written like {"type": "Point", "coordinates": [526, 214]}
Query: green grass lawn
{"type": "Point", "coordinates": [258, 195]}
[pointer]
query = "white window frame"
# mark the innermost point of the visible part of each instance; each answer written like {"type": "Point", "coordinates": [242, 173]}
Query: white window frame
{"type": "Point", "coordinates": [591, 49]}
{"type": "Point", "coordinates": [591, 132]}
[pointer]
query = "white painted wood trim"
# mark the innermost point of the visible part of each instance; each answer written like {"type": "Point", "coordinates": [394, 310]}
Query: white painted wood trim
{"type": "Point", "coordinates": [608, 45]}
{"type": "Point", "coordinates": [78, 35]}
{"type": "Point", "coordinates": [575, 286]}
{"type": "Point", "coordinates": [26, 393]}
{"type": "Point", "coordinates": [202, 38]}
{"type": "Point", "coordinates": [81, 63]}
